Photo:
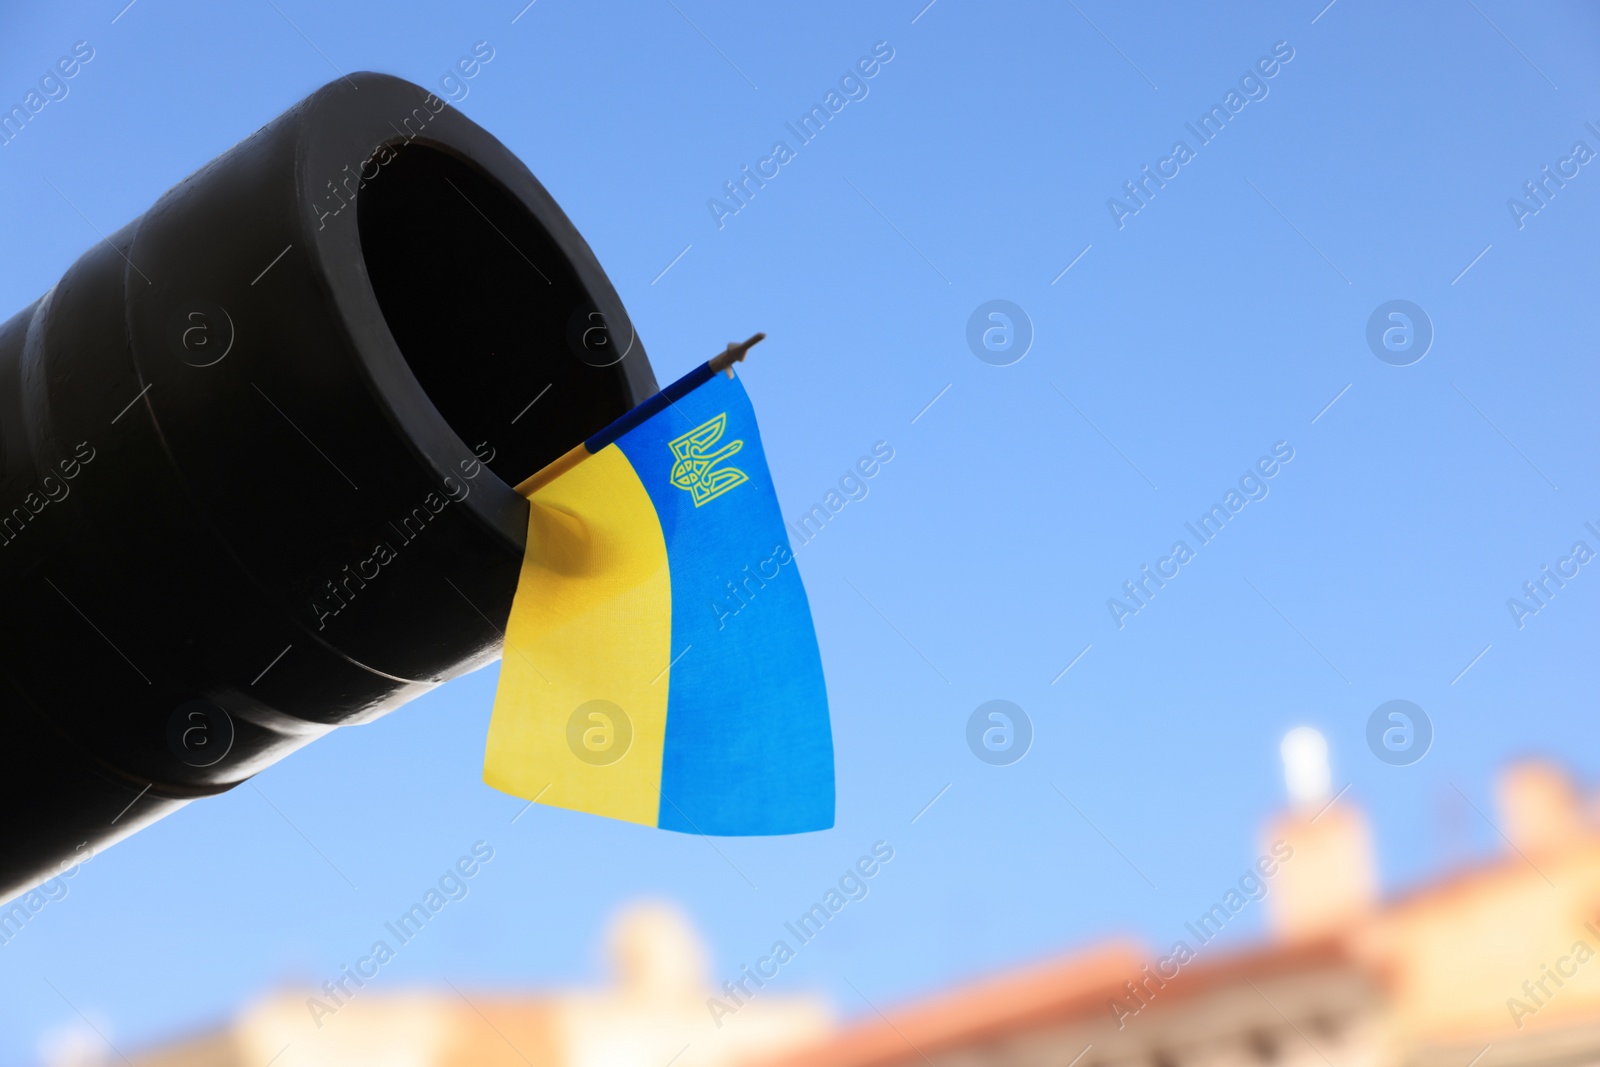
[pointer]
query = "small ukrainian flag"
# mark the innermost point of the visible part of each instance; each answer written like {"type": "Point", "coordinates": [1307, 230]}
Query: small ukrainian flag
{"type": "Point", "coordinates": [660, 664]}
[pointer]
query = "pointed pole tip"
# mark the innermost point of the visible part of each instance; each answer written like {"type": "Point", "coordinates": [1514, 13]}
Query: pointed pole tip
{"type": "Point", "coordinates": [735, 353]}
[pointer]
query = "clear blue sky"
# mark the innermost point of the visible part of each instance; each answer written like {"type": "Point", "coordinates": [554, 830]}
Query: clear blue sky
{"type": "Point", "coordinates": [1219, 320]}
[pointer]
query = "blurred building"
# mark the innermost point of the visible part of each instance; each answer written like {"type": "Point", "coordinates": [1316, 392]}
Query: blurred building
{"type": "Point", "coordinates": [1489, 967]}
{"type": "Point", "coordinates": [1492, 966]}
{"type": "Point", "coordinates": [654, 1012]}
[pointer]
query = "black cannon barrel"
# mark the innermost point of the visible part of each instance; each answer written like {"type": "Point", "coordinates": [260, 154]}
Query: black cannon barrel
{"type": "Point", "coordinates": [257, 450]}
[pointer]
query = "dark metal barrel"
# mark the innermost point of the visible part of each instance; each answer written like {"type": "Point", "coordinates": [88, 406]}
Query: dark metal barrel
{"type": "Point", "coordinates": [257, 450]}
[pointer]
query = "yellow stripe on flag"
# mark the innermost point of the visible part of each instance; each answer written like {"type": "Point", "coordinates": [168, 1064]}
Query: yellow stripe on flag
{"type": "Point", "coordinates": [590, 629]}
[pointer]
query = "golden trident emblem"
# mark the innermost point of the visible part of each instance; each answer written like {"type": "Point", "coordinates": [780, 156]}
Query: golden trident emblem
{"type": "Point", "coordinates": [695, 467]}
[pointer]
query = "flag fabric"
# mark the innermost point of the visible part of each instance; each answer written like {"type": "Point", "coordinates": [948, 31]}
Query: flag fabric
{"type": "Point", "coordinates": [660, 664]}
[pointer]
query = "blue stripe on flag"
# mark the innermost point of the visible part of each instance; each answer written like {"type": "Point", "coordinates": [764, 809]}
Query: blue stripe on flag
{"type": "Point", "coordinates": [749, 749]}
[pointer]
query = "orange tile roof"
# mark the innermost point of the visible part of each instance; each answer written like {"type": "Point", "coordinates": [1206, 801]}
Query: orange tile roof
{"type": "Point", "coordinates": [1066, 988]}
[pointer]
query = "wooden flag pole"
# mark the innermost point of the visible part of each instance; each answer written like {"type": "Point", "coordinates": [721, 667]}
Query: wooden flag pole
{"type": "Point", "coordinates": [723, 361]}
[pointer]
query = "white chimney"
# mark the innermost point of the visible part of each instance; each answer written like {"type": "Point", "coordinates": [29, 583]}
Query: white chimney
{"type": "Point", "coordinates": [1305, 768]}
{"type": "Point", "coordinates": [1328, 877]}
